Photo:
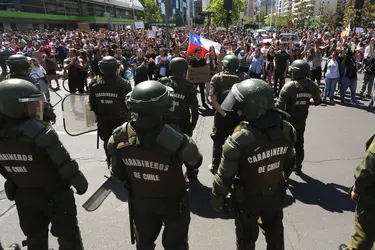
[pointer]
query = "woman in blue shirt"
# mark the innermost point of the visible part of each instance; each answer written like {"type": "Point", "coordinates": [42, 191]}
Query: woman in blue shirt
{"type": "Point", "coordinates": [256, 64]}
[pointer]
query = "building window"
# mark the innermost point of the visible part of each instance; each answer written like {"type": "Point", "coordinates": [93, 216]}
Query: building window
{"type": "Point", "coordinates": [99, 10]}
{"type": "Point", "coordinates": [7, 5]}
{"type": "Point", "coordinates": [88, 9]}
{"type": "Point", "coordinates": [60, 7]}
{"type": "Point", "coordinates": [72, 8]}
{"type": "Point", "coordinates": [32, 6]}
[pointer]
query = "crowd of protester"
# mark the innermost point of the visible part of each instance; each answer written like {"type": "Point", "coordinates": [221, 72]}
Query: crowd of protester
{"type": "Point", "coordinates": [145, 55]}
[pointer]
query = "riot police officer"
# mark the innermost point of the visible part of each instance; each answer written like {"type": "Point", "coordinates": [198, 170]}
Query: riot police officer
{"type": "Point", "coordinates": [149, 156]}
{"type": "Point", "coordinates": [107, 99]}
{"type": "Point", "coordinates": [295, 98]}
{"type": "Point", "coordinates": [363, 192]}
{"type": "Point", "coordinates": [184, 111]}
{"type": "Point", "coordinates": [260, 152]}
{"type": "Point", "coordinates": [20, 68]}
{"type": "Point", "coordinates": [224, 122]}
{"type": "Point", "coordinates": [39, 171]}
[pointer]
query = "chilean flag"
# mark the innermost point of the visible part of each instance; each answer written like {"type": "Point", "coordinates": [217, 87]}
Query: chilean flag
{"type": "Point", "coordinates": [204, 44]}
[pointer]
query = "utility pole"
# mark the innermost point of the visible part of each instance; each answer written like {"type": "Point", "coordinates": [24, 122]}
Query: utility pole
{"type": "Point", "coordinates": [228, 19]}
{"type": "Point", "coordinates": [167, 21]}
{"type": "Point", "coordinates": [133, 9]}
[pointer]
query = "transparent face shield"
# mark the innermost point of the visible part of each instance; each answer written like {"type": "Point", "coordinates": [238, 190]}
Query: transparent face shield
{"type": "Point", "coordinates": [34, 107]}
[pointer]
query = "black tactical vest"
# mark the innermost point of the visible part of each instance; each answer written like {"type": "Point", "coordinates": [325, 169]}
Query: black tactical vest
{"type": "Point", "coordinates": [110, 99]}
{"type": "Point", "coordinates": [227, 80]}
{"type": "Point", "coordinates": [301, 100]}
{"type": "Point", "coordinates": [261, 167]}
{"type": "Point", "coordinates": [25, 164]}
{"type": "Point", "coordinates": [152, 172]}
{"type": "Point", "coordinates": [180, 109]}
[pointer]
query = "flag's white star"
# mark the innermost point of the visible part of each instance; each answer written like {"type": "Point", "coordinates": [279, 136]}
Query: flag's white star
{"type": "Point", "coordinates": [195, 39]}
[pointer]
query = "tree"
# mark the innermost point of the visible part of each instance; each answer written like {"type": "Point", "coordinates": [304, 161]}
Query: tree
{"type": "Point", "coordinates": [367, 14]}
{"type": "Point", "coordinates": [303, 14]}
{"type": "Point", "coordinates": [327, 16]}
{"type": "Point", "coordinates": [284, 21]}
{"type": "Point", "coordinates": [349, 14]}
{"type": "Point", "coordinates": [250, 20]}
{"type": "Point", "coordinates": [152, 12]}
{"type": "Point", "coordinates": [217, 7]}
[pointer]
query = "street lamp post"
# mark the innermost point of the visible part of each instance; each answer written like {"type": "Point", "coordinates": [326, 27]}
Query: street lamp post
{"type": "Point", "coordinates": [133, 9]}
{"type": "Point", "coordinates": [166, 21]}
{"type": "Point", "coordinates": [209, 14]}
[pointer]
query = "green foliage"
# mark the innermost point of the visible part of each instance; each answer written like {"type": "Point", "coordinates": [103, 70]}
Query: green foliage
{"type": "Point", "coordinates": [313, 22]}
{"type": "Point", "coordinates": [250, 20]}
{"type": "Point", "coordinates": [359, 18]}
{"type": "Point", "coordinates": [285, 20]}
{"type": "Point", "coordinates": [152, 12]}
{"type": "Point", "coordinates": [349, 14]}
{"type": "Point", "coordinates": [367, 14]}
{"type": "Point", "coordinates": [217, 7]}
{"type": "Point", "coordinates": [303, 14]}
{"type": "Point", "coordinates": [328, 17]}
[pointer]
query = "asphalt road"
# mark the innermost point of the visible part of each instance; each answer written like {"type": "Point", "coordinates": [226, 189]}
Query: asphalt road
{"type": "Point", "coordinates": [318, 213]}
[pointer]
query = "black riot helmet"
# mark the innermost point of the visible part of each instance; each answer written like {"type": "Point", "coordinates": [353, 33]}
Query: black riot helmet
{"type": "Point", "coordinates": [18, 64]}
{"type": "Point", "coordinates": [108, 65]}
{"type": "Point", "coordinates": [15, 246]}
{"type": "Point", "coordinates": [299, 69]}
{"type": "Point", "coordinates": [150, 98]}
{"type": "Point", "coordinates": [178, 65]}
{"type": "Point", "coordinates": [231, 62]}
{"type": "Point", "coordinates": [20, 99]}
{"type": "Point", "coordinates": [252, 97]}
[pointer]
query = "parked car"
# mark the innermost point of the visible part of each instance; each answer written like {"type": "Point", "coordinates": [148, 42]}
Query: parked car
{"type": "Point", "coordinates": [286, 36]}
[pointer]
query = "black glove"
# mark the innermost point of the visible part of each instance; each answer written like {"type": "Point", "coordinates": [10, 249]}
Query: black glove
{"type": "Point", "coordinates": [10, 189]}
{"type": "Point", "coordinates": [217, 202]}
{"type": "Point", "coordinates": [80, 183]}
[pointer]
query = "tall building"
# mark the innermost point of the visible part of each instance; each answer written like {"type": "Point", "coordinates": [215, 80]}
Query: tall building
{"type": "Point", "coordinates": [250, 8]}
{"type": "Point", "coordinates": [197, 7]}
{"type": "Point", "coordinates": [205, 4]}
{"type": "Point", "coordinates": [40, 14]}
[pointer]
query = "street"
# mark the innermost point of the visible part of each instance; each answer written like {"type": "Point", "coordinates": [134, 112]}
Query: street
{"type": "Point", "coordinates": [318, 213]}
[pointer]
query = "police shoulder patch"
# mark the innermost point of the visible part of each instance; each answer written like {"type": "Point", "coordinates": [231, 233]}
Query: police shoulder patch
{"type": "Point", "coordinates": [120, 136]}
{"type": "Point", "coordinates": [242, 136]}
{"type": "Point", "coordinates": [32, 128]}
{"type": "Point", "coordinates": [242, 125]}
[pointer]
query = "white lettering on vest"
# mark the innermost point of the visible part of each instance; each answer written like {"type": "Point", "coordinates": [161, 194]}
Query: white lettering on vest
{"type": "Point", "coordinates": [269, 167]}
{"type": "Point", "coordinates": [16, 157]}
{"type": "Point", "coordinates": [267, 154]}
{"type": "Point", "coordinates": [151, 177]}
{"type": "Point", "coordinates": [147, 164]}
{"type": "Point", "coordinates": [114, 95]}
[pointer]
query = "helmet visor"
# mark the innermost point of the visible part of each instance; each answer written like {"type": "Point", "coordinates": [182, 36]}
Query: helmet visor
{"type": "Point", "coordinates": [233, 100]}
{"type": "Point", "coordinates": [34, 107]}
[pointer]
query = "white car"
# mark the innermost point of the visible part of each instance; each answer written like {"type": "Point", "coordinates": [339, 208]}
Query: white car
{"type": "Point", "coordinates": [260, 32]}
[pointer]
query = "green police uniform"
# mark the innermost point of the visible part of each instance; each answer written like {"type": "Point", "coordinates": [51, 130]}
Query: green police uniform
{"type": "Point", "coordinates": [149, 156]}
{"type": "Point", "coordinates": [39, 171]}
{"type": "Point", "coordinates": [19, 67]}
{"type": "Point", "coordinates": [364, 187]}
{"type": "Point", "coordinates": [220, 85]}
{"type": "Point", "coordinates": [107, 99]}
{"type": "Point", "coordinates": [184, 112]}
{"type": "Point", "coordinates": [295, 99]}
{"type": "Point", "coordinates": [260, 154]}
